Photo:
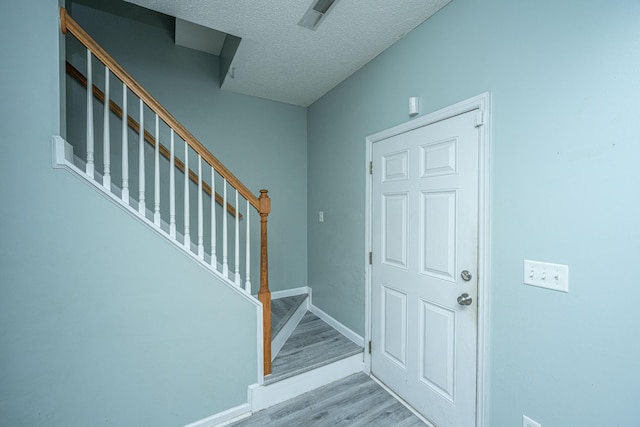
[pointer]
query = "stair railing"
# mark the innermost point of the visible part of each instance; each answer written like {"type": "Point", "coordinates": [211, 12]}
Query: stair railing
{"type": "Point", "coordinates": [261, 203]}
{"type": "Point", "coordinates": [98, 94]}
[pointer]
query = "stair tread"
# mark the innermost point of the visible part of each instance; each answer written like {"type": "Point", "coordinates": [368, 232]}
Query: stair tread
{"type": "Point", "coordinates": [282, 309]}
{"type": "Point", "coordinates": [314, 343]}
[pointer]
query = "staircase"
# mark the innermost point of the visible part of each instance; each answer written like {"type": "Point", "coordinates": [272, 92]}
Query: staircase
{"type": "Point", "coordinates": [311, 344]}
{"type": "Point", "coordinates": [181, 191]}
{"type": "Point", "coordinates": [196, 216]}
{"type": "Point", "coordinates": [309, 352]}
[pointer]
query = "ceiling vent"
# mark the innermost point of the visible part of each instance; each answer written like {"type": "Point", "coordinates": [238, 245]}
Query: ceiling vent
{"type": "Point", "coordinates": [316, 13]}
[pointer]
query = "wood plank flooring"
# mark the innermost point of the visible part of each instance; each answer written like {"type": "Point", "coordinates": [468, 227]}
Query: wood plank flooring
{"type": "Point", "coordinates": [353, 401]}
{"type": "Point", "coordinates": [313, 344]}
{"type": "Point", "coordinates": [282, 309]}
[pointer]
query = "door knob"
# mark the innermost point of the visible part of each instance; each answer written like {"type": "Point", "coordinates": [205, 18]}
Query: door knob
{"type": "Point", "coordinates": [465, 299]}
{"type": "Point", "coordinates": [466, 276]}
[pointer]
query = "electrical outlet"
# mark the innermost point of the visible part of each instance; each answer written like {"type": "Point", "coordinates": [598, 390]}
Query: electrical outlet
{"type": "Point", "coordinates": [546, 275]}
{"type": "Point", "coordinates": [528, 422]}
{"type": "Point", "coordinates": [321, 216]}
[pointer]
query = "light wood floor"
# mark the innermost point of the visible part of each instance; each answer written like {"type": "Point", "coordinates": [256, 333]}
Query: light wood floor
{"type": "Point", "coordinates": [353, 401]}
{"type": "Point", "coordinates": [282, 309]}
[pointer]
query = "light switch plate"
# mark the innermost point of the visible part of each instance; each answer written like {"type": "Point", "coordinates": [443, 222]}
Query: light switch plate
{"type": "Point", "coordinates": [546, 275]}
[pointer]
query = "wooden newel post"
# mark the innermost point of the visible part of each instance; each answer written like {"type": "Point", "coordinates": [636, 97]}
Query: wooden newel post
{"type": "Point", "coordinates": [63, 20]}
{"type": "Point", "coordinates": [264, 295]}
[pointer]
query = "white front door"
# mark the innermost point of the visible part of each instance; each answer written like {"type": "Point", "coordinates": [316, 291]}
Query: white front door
{"type": "Point", "coordinates": [425, 250]}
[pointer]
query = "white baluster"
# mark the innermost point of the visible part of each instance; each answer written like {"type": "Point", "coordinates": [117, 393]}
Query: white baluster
{"type": "Point", "coordinates": [187, 234]}
{"type": "Point", "coordinates": [225, 264]}
{"type": "Point", "coordinates": [125, 145]}
{"type": "Point", "coordinates": [106, 139]}
{"type": "Point", "coordinates": [172, 188]}
{"type": "Point", "coordinates": [214, 258]}
{"type": "Point", "coordinates": [90, 143]}
{"type": "Point", "coordinates": [247, 282]}
{"type": "Point", "coordinates": [141, 172]}
{"type": "Point", "coordinates": [200, 229]}
{"type": "Point", "coordinates": [156, 184]}
{"type": "Point", "coordinates": [237, 243]}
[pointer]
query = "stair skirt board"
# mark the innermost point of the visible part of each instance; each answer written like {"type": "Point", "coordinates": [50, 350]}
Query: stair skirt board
{"type": "Point", "coordinates": [224, 418]}
{"type": "Point", "coordinates": [279, 340]}
{"type": "Point", "coordinates": [261, 396]}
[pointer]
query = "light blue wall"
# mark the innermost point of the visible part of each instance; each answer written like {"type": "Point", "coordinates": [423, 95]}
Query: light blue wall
{"type": "Point", "coordinates": [102, 322]}
{"type": "Point", "coordinates": [262, 142]}
{"type": "Point", "coordinates": [565, 82]}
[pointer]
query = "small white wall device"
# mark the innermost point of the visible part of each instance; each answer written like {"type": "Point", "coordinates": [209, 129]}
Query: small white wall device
{"type": "Point", "coordinates": [414, 106]}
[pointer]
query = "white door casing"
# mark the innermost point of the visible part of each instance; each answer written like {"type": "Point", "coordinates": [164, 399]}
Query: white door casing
{"type": "Point", "coordinates": [426, 223]}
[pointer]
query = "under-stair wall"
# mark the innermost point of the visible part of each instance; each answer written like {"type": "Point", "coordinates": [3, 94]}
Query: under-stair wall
{"type": "Point", "coordinates": [262, 142]}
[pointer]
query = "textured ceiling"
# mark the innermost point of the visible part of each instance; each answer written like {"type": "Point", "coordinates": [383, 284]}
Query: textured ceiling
{"type": "Point", "coordinates": [279, 60]}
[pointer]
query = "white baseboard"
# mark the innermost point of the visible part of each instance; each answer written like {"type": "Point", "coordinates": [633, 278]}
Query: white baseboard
{"type": "Point", "coordinates": [337, 325]}
{"type": "Point", "coordinates": [290, 292]}
{"type": "Point", "coordinates": [279, 340]}
{"type": "Point", "coordinates": [262, 397]}
{"type": "Point", "coordinates": [224, 418]}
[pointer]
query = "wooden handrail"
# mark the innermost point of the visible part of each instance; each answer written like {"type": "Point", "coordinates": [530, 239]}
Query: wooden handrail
{"type": "Point", "coordinates": [68, 24]}
{"type": "Point", "coordinates": [135, 126]}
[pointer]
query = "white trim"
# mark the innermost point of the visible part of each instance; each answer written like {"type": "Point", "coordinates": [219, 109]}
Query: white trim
{"type": "Point", "coordinates": [279, 340]}
{"type": "Point", "coordinates": [61, 152]}
{"type": "Point", "coordinates": [62, 158]}
{"type": "Point", "coordinates": [484, 264]}
{"type": "Point", "coordinates": [261, 397]}
{"type": "Point", "coordinates": [337, 325]}
{"type": "Point", "coordinates": [481, 102]}
{"type": "Point", "coordinates": [224, 418]}
{"type": "Point", "coordinates": [368, 245]}
{"type": "Point", "coordinates": [290, 292]}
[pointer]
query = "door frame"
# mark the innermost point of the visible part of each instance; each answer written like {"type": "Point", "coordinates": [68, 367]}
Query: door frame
{"type": "Point", "coordinates": [482, 103]}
